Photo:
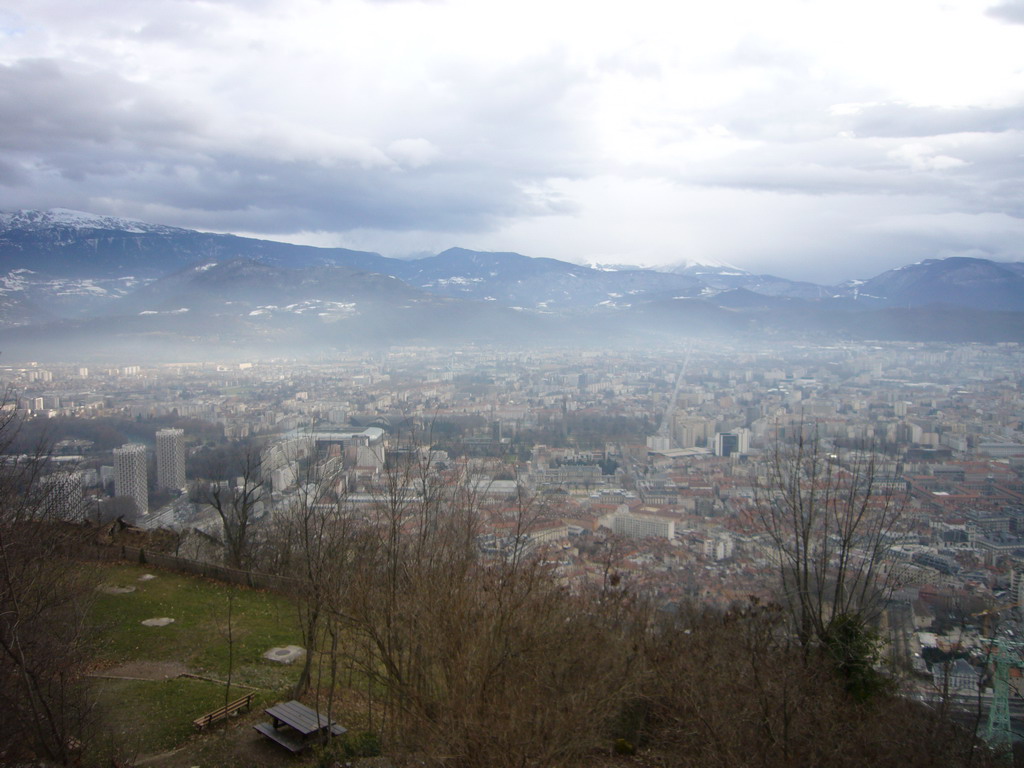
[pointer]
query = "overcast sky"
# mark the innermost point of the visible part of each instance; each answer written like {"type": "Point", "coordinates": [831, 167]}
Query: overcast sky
{"type": "Point", "coordinates": [814, 139]}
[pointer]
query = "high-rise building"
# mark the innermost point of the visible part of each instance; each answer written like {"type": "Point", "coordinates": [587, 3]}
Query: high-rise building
{"type": "Point", "coordinates": [130, 475]}
{"type": "Point", "coordinates": [658, 443]}
{"type": "Point", "coordinates": [170, 458]}
{"type": "Point", "coordinates": [689, 431]}
{"type": "Point", "coordinates": [732, 443]}
{"type": "Point", "coordinates": [636, 526]}
{"type": "Point", "coordinates": [63, 495]}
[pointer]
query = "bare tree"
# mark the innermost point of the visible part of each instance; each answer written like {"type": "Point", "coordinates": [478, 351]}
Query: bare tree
{"type": "Point", "coordinates": [229, 636]}
{"type": "Point", "coordinates": [237, 497]}
{"type": "Point", "coordinates": [45, 710]}
{"type": "Point", "coordinates": [480, 661]}
{"type": "Point", "coordinates": [318, 531]}
{"type": "Point", "coordinates": [729, 689]}
{"type": "Point", "coordinates": [829, 517]}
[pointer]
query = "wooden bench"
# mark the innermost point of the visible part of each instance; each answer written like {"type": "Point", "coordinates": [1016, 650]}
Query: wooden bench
{"type": "Point", "coordinates": [224, 712]}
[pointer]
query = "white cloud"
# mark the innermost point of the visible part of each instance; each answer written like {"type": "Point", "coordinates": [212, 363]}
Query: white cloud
{"type": "Point", "coordinates": [922, 157]}
{"type": "Point", "coordinates": [413, 153]}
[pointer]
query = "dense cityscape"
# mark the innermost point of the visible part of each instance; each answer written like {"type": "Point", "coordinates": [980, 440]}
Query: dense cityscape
{"type": "Point", "coordinates": [649, 465]}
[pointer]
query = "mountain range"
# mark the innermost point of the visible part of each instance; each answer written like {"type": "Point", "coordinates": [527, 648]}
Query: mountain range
{"type": "Point", "coordinates": [75, 285]}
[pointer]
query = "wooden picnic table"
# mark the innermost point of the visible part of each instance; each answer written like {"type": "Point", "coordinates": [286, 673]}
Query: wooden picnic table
{"type": "Point", "coordinates": [295, 726]}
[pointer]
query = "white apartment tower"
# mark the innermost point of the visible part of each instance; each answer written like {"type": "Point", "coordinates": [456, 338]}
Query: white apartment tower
{"type": "Point", "coordinates": [63, 496]}
{"type": "Point", "coordinates": [635, 526]}
{"type": "Point", "coordinates": [170, 458]}
{"type": "Point", "coordinates": [130, 475]}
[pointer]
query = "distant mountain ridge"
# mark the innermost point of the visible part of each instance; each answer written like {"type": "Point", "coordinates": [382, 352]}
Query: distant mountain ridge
{"type": "Point", "coordinates": [63, 243]}
{"type": "Point", "coordinates": [57, 219]}
{"type": "Point", "coordinates": [70, 275]}
{"type": "Point", "coordinates": [955, 281]}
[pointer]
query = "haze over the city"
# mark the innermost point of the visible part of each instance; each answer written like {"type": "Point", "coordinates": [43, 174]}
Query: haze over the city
{"type": "Point", "coordinates": [819, 141]}
{"type": "Point", "coordinates": [474, 384]}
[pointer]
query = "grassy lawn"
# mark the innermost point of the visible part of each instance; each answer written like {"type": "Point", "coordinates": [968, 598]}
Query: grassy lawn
{"type": "Point", "coordinates": [199, 635]}
{"type": "Point", "coordinates": [148, 716]}
{"type": "Point", "coordinates": [153, 716]}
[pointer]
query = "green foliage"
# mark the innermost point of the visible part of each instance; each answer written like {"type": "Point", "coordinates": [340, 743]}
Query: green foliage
{"type": "Point", "coordinates": [630, 722]}
{"type": "Point", "coordinates": [361, 744]}
{"type": "Point", "coordinates": [328, 755]}
{"type": "Point", "coordinates": [623, 747]}
{"type": "Point", "coordinates": [348, 747]}
{"type": "Point", "coordinates": [853, 648]}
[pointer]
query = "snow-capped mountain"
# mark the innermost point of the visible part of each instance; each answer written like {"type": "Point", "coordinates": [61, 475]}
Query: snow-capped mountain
{"type": "Point", "coordinates": [956, 281]}
{"type": "Point", "coordinates": [703, 267]}
{"type": "Point", "coordinates": [546, 285]}
{"type": "Point", "coordinates": [64, 218]}
{"type": "Point", "coordinates": [726, 277]}
{"type": "Point", "coordinates": [72, 244]}
{"type": "Point", "coordinates": [69, 278]}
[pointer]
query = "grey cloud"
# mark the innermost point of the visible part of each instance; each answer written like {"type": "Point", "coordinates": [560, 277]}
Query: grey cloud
{"type": "Point", "coordinates": [798, 109]}
{"type": "Point", "coordinates": [775, 173]}
{"type": "Point", "coordinates": [92, 137]}
{"type": "Point", "coordinates": [254, 194]}
{"type": "Point", "coordinates": [11, 175]}
{"type": "Point", "coordinates": [90, 25]}
{"type": "Point", "coordinates": [522, 118]}
{"type": "Point", "coordinates": [1009, 10]}
{"type": "Point", "coordinates": [261, 195]}
{"type": "Point", "coordinates": [802, 144]}
{"type": "Point", "coordinates": [987, 179]}
{"type": "Point", "coordinates": [897, 120]}
{"type": "Point", "coordinates": [180, 31]}
{"type": "Point", "coordinates": [795, 109]}
{"type": "Point", "coordinates": [105, 18]}
{"type": "Point", "coordinates": [44, 108]}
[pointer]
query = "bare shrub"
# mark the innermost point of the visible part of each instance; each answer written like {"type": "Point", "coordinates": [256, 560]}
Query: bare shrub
{"type": "Point", "coordinates": [45, 709]}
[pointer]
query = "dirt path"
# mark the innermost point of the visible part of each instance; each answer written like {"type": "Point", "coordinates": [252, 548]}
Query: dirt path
{"type": "Point", "coordinates": [144, 670]}
{"type": "Point", "coordinates": [229, 745]}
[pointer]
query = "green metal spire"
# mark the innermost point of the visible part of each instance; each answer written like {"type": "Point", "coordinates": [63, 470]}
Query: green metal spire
{"type": "Point", "coordinates": [999, 734]}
